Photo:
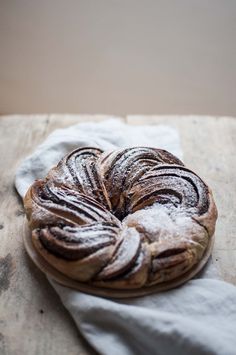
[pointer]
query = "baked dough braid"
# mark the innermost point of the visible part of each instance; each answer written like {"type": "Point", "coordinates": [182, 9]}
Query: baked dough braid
{"type": "Point", "coordinates": [129, 218]}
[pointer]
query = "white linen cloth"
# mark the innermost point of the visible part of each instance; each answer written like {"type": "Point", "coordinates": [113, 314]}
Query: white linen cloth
{"type": "Point", "coordinates": [196, 318]}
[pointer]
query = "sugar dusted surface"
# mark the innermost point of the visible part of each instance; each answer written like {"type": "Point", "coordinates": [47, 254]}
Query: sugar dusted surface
{"type": "Point", "coordinates": [160, 223]}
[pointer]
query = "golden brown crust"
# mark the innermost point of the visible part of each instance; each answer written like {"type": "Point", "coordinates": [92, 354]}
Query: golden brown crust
{"type": "Point", "coordinates": [129, 218]}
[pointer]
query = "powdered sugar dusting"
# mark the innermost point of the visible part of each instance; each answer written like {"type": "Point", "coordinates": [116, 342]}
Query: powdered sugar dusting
{"type": "Point", "coordinates": [161, 223]}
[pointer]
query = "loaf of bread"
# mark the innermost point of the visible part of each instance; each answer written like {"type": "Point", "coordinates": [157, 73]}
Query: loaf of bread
{"type": "Point", "coordinates": [128, 218]}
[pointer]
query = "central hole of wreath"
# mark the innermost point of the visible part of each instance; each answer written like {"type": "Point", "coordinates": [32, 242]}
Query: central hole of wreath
{"type": "Point", "coordinates": [167, 197]}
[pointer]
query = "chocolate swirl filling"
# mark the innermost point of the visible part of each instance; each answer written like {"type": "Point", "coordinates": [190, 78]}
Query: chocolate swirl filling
{"type": "Point", "coordinates": [73, 243]}
{"type": "Point", "coordinates": [167, 184]}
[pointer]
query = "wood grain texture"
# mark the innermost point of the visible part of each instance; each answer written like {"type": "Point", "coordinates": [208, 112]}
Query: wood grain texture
{"type": "Point", "coordinates": [32, 318]}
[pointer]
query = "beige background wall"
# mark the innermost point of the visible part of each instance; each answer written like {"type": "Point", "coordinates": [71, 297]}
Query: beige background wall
{"type": "Point", "coordinates": [118, 56]}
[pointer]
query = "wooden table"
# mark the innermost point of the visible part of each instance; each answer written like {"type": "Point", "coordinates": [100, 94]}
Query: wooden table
{"type": "Point", "coordinates": [32, 318]}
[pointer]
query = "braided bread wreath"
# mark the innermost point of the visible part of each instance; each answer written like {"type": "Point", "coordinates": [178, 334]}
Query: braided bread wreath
{"type": "Point", "coordinates": [125, 219]}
